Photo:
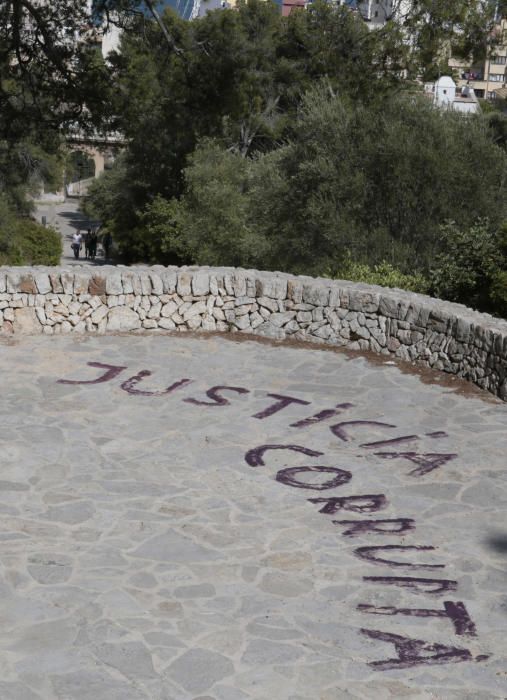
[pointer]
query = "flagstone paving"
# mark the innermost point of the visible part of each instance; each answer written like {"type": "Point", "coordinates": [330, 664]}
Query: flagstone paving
{"type": "Point", "coordinates": [178, 540]}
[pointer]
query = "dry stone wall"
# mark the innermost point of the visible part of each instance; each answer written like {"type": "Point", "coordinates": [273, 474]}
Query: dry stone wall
{"type": "Point", "coordinates": [411, 327]}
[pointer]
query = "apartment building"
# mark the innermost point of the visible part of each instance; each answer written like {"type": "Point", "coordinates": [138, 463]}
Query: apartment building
{"type": "Point", "coordinates": [488, 78]}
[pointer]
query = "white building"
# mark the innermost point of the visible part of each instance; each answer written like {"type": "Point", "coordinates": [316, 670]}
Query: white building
{"type": "Point", "coordinates": [378, 12]}
{"type": "Point", "coordinates": [446, 95]}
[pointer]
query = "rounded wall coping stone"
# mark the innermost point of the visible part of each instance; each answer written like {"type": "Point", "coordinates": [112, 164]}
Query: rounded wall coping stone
{"type": "Point", "coordinates": [414, 327]}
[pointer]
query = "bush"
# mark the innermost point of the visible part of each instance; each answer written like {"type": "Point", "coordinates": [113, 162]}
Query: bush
{"type": "Point", "coordinates": [384, 275]}
{"type": "Point", "coordinates": [25, 242]}
{"type": "Point", "coordinates": [471, 267]}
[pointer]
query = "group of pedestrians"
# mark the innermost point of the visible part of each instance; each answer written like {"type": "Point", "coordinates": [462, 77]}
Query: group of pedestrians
{"type": "Point", "coordinates": [90, 241]}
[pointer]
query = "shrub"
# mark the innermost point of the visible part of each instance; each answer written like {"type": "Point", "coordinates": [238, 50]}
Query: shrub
{"type": "Point", "coordinates": [25, 242]}
{"type": "Point", "coordinates": [384, 275]}
{"type": "Point", "coordinates": [471, 267]}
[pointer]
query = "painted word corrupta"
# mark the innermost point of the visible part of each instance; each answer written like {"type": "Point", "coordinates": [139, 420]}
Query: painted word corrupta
{"type": "Point", "coordinates": [409, 652]}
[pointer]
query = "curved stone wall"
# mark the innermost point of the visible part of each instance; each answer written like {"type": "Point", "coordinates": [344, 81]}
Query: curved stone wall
{"type": "Point", "coordinates": [412, 327]}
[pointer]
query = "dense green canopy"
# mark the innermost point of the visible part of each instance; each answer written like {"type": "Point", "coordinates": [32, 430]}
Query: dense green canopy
{"type": "Point", "coordinates": [299, 143]}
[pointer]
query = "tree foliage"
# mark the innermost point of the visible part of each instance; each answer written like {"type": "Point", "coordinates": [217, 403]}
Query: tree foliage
{"type": "Point", "coordinates": [355, 185]}
{"type": "Point", "coordinates": [437, 29]}
{"type": "Point", "coordinates": [24, 242]}
{"type": "Point", "coordinates": [471, 266]}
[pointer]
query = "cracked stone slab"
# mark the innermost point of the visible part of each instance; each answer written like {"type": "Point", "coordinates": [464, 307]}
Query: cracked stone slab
{"type": "Point", "coordinates": [196, 518]}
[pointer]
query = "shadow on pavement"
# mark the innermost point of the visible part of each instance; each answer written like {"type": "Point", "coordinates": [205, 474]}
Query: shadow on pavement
{"type": "Point", "coordinates": [498, 543]}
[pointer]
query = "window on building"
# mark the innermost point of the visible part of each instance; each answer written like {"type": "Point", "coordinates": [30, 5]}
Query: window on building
{"type": "Point", "coordinates": [496, 77]}
{"type": "Point", "coordinates": [491, 95]}
{"type": "Point", "coordinates": [499, 60]}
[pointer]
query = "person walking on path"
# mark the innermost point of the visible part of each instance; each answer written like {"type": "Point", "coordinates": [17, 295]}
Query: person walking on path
{"type": "Point", "coordinates": [92, 245]}
{"type": "Point", "coordinates": [76, 243]}
{"type": "Point", "coordinates": [106, 244]}
{"type": "Point", "coordinates": [87, 238]}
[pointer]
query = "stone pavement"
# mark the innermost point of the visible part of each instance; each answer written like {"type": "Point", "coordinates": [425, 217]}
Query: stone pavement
{"type": "Point", "coordinates": [192, 518]}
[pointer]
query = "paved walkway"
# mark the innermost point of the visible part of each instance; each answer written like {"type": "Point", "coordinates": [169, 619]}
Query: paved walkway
{"type": "Point", "coordinates": [200, 519]}
{"type": "Point", "coordinates": [66, 218]}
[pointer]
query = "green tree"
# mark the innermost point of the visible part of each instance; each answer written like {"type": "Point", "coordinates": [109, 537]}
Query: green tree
{"type": "Point", "coordinates": [471, 266]}
{"type": "Point", "coordinates": [239, 77]}
{"type": "Point", "coordinates": [366, 184]}
{"type": "Point", "coordinates": [24, 242]}
{"type": "Point", "coordinates": [437, 29]}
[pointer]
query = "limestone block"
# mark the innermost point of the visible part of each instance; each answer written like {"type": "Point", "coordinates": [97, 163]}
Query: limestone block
{"type": "Point", "coordinates": [229, 289]}
{"type": "Point", "coordinates": [41, 314]}
{"type": "Point", "coordinates": [242, 310]}
{"type": "Point", "coordinates": [154, 312]}
{"type": "Point", "coordinates": [272, 287]}
{"type": "Point", "coordinates": [200, 284]}
{"type": "Point", "coordinates": [335, 297]}
{"type": "Point", "coordinates": [323, 332]}
{"type": "Point", "coordinates": [295, 291]}
{"type": "Point", "coordinates": [239, 284]}
{"type": "Point", "coordinates": [194, 323]}
{"type": "Point", "coordinates": [167, 324]}
{"type": "Point", "coordinates": [127, 282]}
{"type": "Point", "coordinates": [268, 303]}
{"type": "Point", "coordinates": [256, 320]}
{"type": "Point", "coordinates": [393, 344]}
{"type": "Point", "coordinates": [145, 281]}
{"type": "Point", "coordinates": [251, 284]}
{"type": "Point", "coordinates": [114, 283]}
{"type": "Point", "coordinates": [56, 283]}
{"type": "Point", "coordinates": [213, 285]}
{"type": "Point", "coordinates": [316, 294]}
{"type": "Point", "coordinates": [121, 318]}
{"type": "Point", "coordinates": [168, 309]}
{"type": "Point", "coordinates": [169, 281]}
{"type": "Point", "coordinates": [157, 285]}
{"type": "Point", "coordinates": [194, 310]}
{"type": "Point", "coordinates": [178, 320]}
{"type": "Point", "coordinates": [25, 321]}
{"type": "Point", "coordinates": [97, 285]}
{"type": "Point", "coordinates": [149, 323]}
{"type": "Point", "coordinates": [99, 313]}
{"type": "Point", "coordinates": [388, 306]}
{"type": "Point", "coordinates": [67, 279]}
{"type": "Point", "coordinates": [81, 282]}
{"type": "Point", "coordinates": [184, 286]}
{"type": "Point", "coordinates": [363, 301]}
{"type": "Point", "coordinates": [75, 307]}
{"type": "Point", "coordinates": [242, 322]}
{"type": "Point", "coordinates": [268, 330]}
{"type": "Point", "coordinates": [291, 327]}
{"type": "Point", "coordinates": [209, 323]}
{"type": "Point", "coordinates": [42, 282]}
{"type": "Point", "coordinates": [280, 319]}
{"type": "Point", "coordinates": [13, 280]}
